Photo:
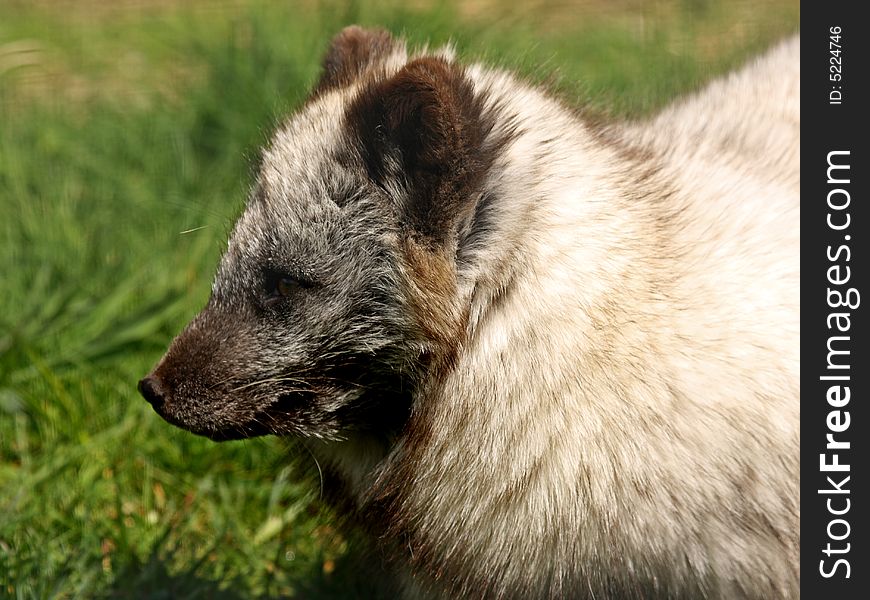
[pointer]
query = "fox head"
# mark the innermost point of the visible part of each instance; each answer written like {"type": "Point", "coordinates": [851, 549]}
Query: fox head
{"type": "Point", "coordinates": [340, 287]}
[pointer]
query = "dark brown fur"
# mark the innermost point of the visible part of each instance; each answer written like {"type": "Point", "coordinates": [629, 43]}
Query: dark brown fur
{"type": "Point", "coordinates": [427, 118]}
{"type": "Point", "coordinates": [350, 53]}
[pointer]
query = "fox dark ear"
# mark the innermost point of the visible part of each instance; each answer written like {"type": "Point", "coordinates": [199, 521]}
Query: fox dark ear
{"type": "Point", "coordinates": [350, 53]}
{"type": "Point", "coordinates": [423, 129]}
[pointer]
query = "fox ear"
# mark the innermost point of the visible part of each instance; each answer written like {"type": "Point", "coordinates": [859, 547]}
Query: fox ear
{"type": "Point", "coordinates": [351, 51]}
{"type": "Point", "coordinates": [423, 129]}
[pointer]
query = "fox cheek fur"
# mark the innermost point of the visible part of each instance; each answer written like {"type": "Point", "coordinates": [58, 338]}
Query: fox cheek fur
{"type": "Point", "coordinates": [289, 343]}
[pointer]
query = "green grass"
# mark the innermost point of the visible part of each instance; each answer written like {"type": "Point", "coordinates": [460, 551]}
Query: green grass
{"type": "Point", "coordinates": [126, 138]}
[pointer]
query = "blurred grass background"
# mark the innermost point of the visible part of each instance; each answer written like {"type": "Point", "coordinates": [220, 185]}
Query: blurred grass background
{"type": "Point", "coordinates": [127, 131]}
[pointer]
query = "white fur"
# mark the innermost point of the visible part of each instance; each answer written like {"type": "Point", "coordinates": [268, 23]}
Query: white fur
{"type": "Point", "coordinates": [627, 396]}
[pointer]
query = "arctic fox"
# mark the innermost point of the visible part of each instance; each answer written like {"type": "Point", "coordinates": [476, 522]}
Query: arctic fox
{"type": "Point", "coordinates": [542, 358]}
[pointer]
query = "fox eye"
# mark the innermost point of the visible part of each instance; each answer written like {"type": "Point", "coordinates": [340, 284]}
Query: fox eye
{"type": "Point", "coordinates": [283, 286]}
{"type": "Point", "coordinates": [287, 285]}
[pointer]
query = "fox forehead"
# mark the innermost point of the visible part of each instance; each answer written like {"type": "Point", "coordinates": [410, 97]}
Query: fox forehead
{"type": "Point", "coordinates": [302, 164]}
{"type": "Point", "coordinates": [301, 180]}
{"type": "Point", "coordinates": [311, 205]}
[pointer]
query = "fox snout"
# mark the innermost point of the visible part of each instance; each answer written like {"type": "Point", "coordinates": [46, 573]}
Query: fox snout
{"type": "Point", "coordinates": [188, 389]}
{"type": "Point", "coordinates": [151, 389]}
{"type": "Point", "coordinates": [232, 375]}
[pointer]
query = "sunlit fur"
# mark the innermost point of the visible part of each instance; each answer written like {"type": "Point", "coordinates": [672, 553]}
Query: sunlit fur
{"type": "Point", "coordinates": [583, 384]}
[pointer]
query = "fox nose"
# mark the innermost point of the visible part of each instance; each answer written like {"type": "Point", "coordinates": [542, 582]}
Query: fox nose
{"type": "Point", "coordinates": [151, 389]}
